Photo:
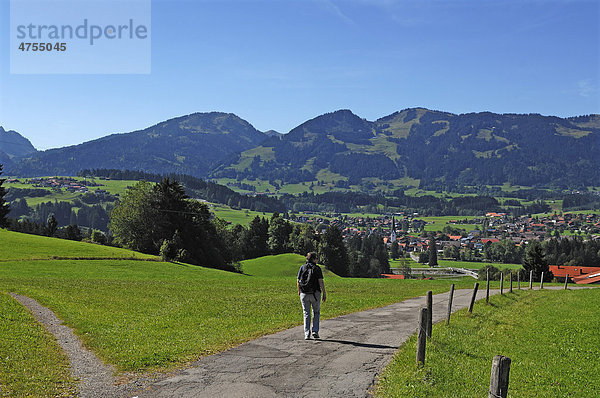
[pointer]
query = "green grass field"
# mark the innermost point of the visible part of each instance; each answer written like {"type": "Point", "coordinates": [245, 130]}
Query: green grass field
{"type": "Point", "coordinates": [552, 343]}
{"type": "Point", "coordinates": [142, 315]}
{"type": "Point", "coordinates": [114, 187]}
{"type": "Point", "coordinates": [234, 216]}
{"type": "Point", "coordinates": [17, 246]}
{"type": "Point", "coordinates": [476, 265]}
{"type": "Point", "coordinates": [456, 264]}
{"type": "Point", "coordinates": [31, 361]}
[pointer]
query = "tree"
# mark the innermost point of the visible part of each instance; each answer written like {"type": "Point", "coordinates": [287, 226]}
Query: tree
{"type": "Point", "coordinates": [51, 225]}
{"type": "Point", "coordinates": [433, 261]}
{"type": "Point", "coordinates": [303, 239]}
{"type": "Point", "coordinates": [405, 268]}
{"type": "Point", "coordinates": [279, 234]}
{"type": "Point", "coordinates": [133, 219]}
{"type": "Point", "coordinates": [148, 215]}
{"type": "Point", "coordinates": [4, 208]}
{"type": "Point", "coordinates": [534, 261]}
{"type": "Point", "coordinates": [256, 238]}
{"type": "Point", "coordinates": [72, 232]}
{"type": "Point", "coordinates": [394, 250]}
{"type": "Point", "coordinates": [333, 251]}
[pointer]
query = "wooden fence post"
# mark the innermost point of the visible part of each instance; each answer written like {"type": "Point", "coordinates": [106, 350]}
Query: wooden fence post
{"type": "Point", "coordinates": [499, 379]}
{"type": "Point", "coordinates": [542, 281]}
{"type": "Point", "coordinates": [530, 280]}
{"type": "Point", "coordinates": [511, 281]}
{"type": "Point", "coordinates": [519, 279]}
{"type": "Point", "coordinates": [487, 287]}
{"type": "Point", "coordinates": [450, 304]}
{"type": "Point", "coordinates": [429, 312]}
{"type": "Point", "coordinates": [422, 336]}
{"type": "Point", "coordinates": [566, 281]}
{"type": "Point", "coordinates": [501, 283]}
{"type": "Point", "coordinates": [474, 296]}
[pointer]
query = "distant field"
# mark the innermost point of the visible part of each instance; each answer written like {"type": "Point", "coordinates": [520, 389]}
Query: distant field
{"type": "Point", "coordinates": [438, 223]}
{"type": "Point", "coordinates": [553, 345]}
{"type": "Point", "coordinates": [234, 216]}
{"type": "Point", "coordinates": [282, 265]}
{"type": "Point", "coordinates": [31, 362]}
{"type": "Point", "coordinates": [456, 264]}
{"type": "Point", "coordinates": [476, 265]}
{"type": "Point", "coordinates": [114, 187]}
{"type": "Point", "coordinates": [18, 246]}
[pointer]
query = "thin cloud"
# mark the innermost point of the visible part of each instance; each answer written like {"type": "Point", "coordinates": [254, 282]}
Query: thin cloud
{"type": "Point", "coordinates": [586, 88]}
{"type": "Point", "coordinates": [334, 10]}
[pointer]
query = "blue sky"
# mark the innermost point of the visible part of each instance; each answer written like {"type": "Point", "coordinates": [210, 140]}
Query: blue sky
{"type": "Point", "coordinates": [278, 63]}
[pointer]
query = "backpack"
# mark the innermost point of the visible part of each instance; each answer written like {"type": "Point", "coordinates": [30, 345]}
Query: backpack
{"type": "Point", "coordinates": [308, 279]}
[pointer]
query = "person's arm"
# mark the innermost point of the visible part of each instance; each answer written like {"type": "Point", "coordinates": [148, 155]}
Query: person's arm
{"type": "Point", "coordinates": [322, 285]}
{"type": "Point", "coordinates": [298, 284]}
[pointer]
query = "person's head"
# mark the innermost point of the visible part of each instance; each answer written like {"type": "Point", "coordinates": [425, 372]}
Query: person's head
{"type": "Point", "coordinates": [311, 257]}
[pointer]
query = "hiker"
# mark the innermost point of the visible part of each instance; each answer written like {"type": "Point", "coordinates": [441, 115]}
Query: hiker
{"type": "Point", "coordinates": [310, 286]}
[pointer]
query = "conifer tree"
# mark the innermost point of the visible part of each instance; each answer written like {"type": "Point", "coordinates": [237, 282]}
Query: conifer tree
{"type": "Point", "coordinates": [433, 261]}
{"type": "Point", "coordinates": [4, 208]}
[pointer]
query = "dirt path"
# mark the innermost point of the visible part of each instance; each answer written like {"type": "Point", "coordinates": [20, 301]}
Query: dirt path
{"type": "Point", "coordinates": [96, 378]}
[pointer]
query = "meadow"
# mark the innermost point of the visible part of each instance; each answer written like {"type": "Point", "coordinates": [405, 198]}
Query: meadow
{"type": "Point", "coordinates": [31, 361]}
{"type": "Point", "coordinates": [456, 264]}
{"type": "Point", "coordinates": [552, 343]}
{"type": "Point", "coordinates": [21, 247]}
{"type": "Point", "coordinates": [150, 315]}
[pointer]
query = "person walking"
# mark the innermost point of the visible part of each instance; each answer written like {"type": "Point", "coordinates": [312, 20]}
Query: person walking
{"type": "Point", "coordinates": [310, 288]}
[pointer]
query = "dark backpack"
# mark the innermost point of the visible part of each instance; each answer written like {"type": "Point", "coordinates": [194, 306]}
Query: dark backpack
{"type": "Point", "coordinates": [308, 279]}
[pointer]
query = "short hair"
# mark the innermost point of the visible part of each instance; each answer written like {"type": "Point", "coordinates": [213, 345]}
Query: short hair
{"type": "Point", "coordinates": [312, 257]}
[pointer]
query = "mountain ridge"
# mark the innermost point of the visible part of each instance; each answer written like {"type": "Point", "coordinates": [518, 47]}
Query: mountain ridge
{"type": "Point", "coordinates": [438, 148]}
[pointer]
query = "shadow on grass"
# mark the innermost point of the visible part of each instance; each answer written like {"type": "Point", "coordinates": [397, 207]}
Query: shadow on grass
{"type": "Point", "coordinates": [357, 344]}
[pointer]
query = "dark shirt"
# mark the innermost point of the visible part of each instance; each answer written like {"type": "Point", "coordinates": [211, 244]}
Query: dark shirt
{"type": "Point", "coordinates": [318, 275]}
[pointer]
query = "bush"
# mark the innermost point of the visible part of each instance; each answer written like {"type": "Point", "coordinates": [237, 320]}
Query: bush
{"type": "Point", "coordinates": [167, 250]}
{"type": "Point", "coordinates": [98, 237]}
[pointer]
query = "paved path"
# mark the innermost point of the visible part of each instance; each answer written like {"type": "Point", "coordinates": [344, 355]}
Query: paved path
{"type": "Point", "coordinates": [353, 349]}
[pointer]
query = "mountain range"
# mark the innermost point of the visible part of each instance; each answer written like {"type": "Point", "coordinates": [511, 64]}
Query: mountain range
{"type": "Point", "coordinates": [439, 149]}
{"type": "Point", "coordinates": [13, 145]}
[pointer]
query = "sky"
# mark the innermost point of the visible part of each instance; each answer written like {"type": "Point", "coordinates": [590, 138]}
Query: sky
{"type": "Point", "coordinates": [278, 63]}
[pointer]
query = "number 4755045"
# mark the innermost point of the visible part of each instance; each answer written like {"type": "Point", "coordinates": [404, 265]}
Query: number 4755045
{"type": "Point", "coordinates": [43, 47]}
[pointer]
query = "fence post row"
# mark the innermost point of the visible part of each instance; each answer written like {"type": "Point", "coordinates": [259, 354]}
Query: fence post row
{"type": "Point", "coordinates": [450, 303]}
{"type": "Point", "coordinates": [422, 336]}
{"type": "Point", "coordinates": [474, 296]}
{"type": "Point", "coordinates": [499, 378]}
{"type": "Point", "coordinates": [501, 283]}
{"type": "Point", "coordinates": [429, 312]}
{"type": "Point", "coordinates": [511, 282]}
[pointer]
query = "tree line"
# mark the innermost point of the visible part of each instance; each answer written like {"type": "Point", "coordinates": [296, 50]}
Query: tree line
{"type": "Point", "coordinates": [196, 187]}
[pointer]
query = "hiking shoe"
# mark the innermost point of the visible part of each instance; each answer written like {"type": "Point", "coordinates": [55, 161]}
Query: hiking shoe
{"type": "Point", "coordinates": [307, 337]}
{"type": "Point", "coordinates": [316, 335]}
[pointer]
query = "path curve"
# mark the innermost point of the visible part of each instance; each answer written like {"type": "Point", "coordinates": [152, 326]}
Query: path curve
{"type": "Point", "coordinates": [96, 378]}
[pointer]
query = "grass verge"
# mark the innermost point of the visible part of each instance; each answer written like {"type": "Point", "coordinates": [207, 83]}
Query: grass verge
{"type": "Point", "coordinates": [550, 336]}
{"type": "Point", "coordinates": [31, 362]}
